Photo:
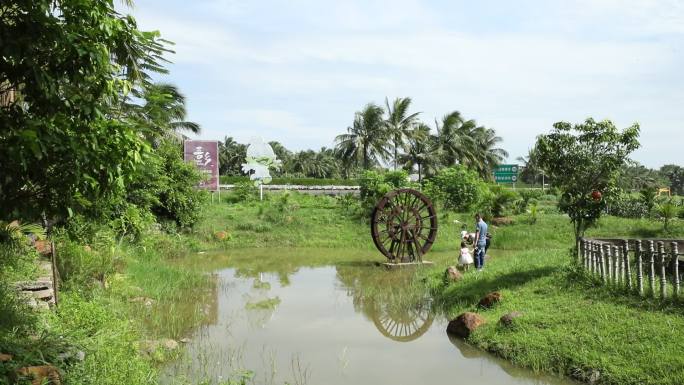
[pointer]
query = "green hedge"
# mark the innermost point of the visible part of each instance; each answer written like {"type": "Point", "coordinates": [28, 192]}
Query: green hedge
{"type": "Point", "coordinates": [225, 179]}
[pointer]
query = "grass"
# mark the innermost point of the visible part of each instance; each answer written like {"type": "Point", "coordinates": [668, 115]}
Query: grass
{"type": "Point", "coordinates": [570, 325]}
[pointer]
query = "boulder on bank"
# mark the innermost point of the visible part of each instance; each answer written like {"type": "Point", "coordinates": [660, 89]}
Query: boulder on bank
{"type": "Point", "coordinates": [502, 221]}
{"type": "Point", "coordinates": [452, 274]}
{"type": "Point", "coordinates": [465, 324]}
{"type": "Point", "coordinates": [490, 300]}
{"type": "Point", "coordinates": [5, 357]}
{"type": "Point", "coordinates": [44, 374]}
{"type": "Point", "coordinates": [508, 319]}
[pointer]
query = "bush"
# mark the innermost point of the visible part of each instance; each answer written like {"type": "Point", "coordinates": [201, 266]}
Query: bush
{"type": "Point", "coordinates": [375, 185]}
{"type": "Point", "coordinates": [626, 206]}
{"type": "Point", "coordinates": [458, 188]}
{"type": "Point", "coordinates": [244, 191]}
{"type": "Point", "coordinates": [79, 266]}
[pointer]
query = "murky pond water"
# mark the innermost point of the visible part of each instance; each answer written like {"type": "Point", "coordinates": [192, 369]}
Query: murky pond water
{"type": "Point", "coordinates": [350, 324]}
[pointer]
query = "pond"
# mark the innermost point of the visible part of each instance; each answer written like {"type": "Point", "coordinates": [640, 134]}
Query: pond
{"type": "Point", "coordinates": [348, 324]}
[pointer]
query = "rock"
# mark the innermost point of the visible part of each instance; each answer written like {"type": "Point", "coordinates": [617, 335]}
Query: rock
{"type": "Point", "coordinates": [452, 274]}
{"type": "Point", "coordinates": [44, 374]}
{"type": "Point", "coordinates": [502, 221]}
{"type": "Point", "coordinates": [185, 340]}
{"type": "Point", "coordinates": [87, 248]}
{"type": "Point", "coordinates": [44, 294]}
{"type": "Point", "coordinates": [507, 319]}
{"type": "Point", "coordinates": [32, 285]}
{"type": "Point", "coordinates": [43, 247]}
{"type": "Point", "coordinates": [465, 324]}
{"type": "Point", "coordinates": [169, 344]}
{"type": "Point", "coordinates": [490, 300]}
{"type": "Point", "coordinates": [5, 357]}
{"type": "Point", "coordinates": [221, 235]}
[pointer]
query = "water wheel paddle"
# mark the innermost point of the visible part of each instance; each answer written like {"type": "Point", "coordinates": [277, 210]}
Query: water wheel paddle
{"type": "Point", "coordinates": [404, 225]}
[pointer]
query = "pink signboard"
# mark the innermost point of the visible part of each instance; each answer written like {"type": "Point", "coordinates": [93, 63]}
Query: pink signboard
{"type": "Point", "coordinates": [204, 153]}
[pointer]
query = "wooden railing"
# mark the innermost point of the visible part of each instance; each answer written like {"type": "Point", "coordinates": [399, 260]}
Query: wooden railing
{"type": "Point", "coordinates": [648, 267]}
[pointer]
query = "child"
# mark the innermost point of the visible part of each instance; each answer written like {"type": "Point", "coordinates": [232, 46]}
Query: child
{"type": "Point", "coordinates": [466, 258]}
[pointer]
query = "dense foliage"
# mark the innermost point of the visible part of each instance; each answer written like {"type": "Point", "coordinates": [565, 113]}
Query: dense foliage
{"type": "Point", "coordinates": [457, 188]}
{"type": "Point", "coordinates": [584, 161]}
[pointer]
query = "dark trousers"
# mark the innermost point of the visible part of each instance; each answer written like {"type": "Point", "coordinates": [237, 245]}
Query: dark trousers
{"type": "Point", "coordinates": [480, 257]}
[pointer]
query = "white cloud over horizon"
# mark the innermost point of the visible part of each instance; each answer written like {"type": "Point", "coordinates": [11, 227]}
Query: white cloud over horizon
{"type": "Point", "coordinates": [295, 71]}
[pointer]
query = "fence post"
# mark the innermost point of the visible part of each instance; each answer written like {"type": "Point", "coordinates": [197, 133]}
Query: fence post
{"type": "Point", "coordinates": [663, 271]}
{"type": "Point", "coordinates": [639, 266]}
{"type": "Point", "coordinates": [592, 257]}
{"type": "Point", "coordinates": [651, 272]}
{"type": "Point", "coordinates": [602, 269]}
{"type": "Point", "coordinates": [675, 268]}
{"type": "Point", "coordinates": [625, 257]}
{"type": "Point", "coordinates": [618, 265]}
{"type": "Point", "coordinates": [582, 251]}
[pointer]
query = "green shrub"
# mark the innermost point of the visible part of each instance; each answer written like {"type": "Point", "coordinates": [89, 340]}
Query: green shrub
{"type": "Point", "coordinates": [374, 185]}
{"type": "Point", "coordinates": [244, 191]}
{"type": "Point", "coordinates": [627, 206]}
{"type": "Point", "coordinates": [457, 188]}
{"type": "Point", "coordinates": [80, 265]}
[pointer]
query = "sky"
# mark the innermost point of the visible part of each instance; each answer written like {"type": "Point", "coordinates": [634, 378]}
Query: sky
{"type": "Point", "coordinates": [295, 71]}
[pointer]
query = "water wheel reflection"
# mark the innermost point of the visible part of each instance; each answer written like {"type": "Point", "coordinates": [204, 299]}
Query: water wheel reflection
{"type": "Point", "coordinates": [403, 324]}
{"type": "Point", "coordinates": [397, 304]}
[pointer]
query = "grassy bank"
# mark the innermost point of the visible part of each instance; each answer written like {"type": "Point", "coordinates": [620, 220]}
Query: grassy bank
{"type": "Point", "coordinates": [152, 291]}
{"type": "Point", "coordinates": [106, 312]}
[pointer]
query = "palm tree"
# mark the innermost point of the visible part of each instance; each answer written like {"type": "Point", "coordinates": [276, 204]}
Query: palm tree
{"type": "Point", "coordinates": [487, 154]}
{"type": "Point", "coordinates": [163, 112]}
{"type": "Point", "coordinates": [231, 156]}
{"type": "Point", "coordinates": [365, 141]}
{"type": "Point", "coordinates": [421, 152]}
{"type": "Point", "coordinates": [455, 141]}
{"type": "Point", "coordinates": [399, 124]}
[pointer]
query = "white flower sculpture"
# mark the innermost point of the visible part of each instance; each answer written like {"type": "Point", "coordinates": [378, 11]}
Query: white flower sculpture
{"type": "Point", "coordinates": [260, 158]}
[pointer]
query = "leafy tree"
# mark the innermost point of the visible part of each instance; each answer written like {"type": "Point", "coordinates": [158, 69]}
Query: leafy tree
{"type": "Point", "coordinates": [584, 160]}
{"type": "Point", "coordinates": [365, 141]}
{"type": "Point", "coordinates": [399, 124]}
{"type": "Point", "coordinates": [636, 177]}
{"type": "Point", "coordinates": [284, 155]}
{"type": "Point", "coordinates": [66, 66]}
{"type": "Point", "coordinates": [675, 174]}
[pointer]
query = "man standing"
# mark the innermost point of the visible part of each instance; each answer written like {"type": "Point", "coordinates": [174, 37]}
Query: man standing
{"type": "Point", "coordinates": [480, 241]}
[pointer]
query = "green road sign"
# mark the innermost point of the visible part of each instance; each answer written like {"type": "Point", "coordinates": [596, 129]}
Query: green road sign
{"type": "Point", "coordinates": [506, 173]}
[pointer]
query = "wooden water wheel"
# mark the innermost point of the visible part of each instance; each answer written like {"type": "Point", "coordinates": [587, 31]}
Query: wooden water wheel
{"type": "Point", "coordinates": [404, 225]}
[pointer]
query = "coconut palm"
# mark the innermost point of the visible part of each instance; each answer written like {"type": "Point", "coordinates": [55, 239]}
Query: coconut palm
{"type": "Point", "coordinates": [421, 152]}
{"type": "Point", "coordinates": [487, 154]}
{"type": "Point", "coordinates": [163, 112]}
{"type": "Point", "coordinates": [399, 124]}
{"type": "Point", "coordinates": [455, 140]}
{"type": "Point", "coordinates": [365, 141]}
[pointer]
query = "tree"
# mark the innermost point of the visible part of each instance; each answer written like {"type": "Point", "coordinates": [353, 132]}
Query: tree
{"type": "Point", "coordinates": [284, 155]}
{"type": "Point", "coordinates": [457, 187]}
{"type": "Point", "coordinates": [163, 112]}
{"type": "Point", "coordinates": [675, 174]}
{"type": "Point", "coordinates": [583, 159]}
{"type": "Point", "coordinates": [365, 141]}
{"type": "Point", "coordinates": [421, 152]}
{"type": "Point", "coordinates": [231, 156]}
{"type": "Point", "coordinates": [66, 67]}
{"type": "Point", "coordinates": [455, 141]}
{"type": "Point", "coordinates": [486, 154]}
{"type": "Point", "coordinates": [399, 124]}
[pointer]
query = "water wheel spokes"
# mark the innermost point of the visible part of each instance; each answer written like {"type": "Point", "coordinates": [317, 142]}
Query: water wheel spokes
{"type": "Point", "coordinates": [404, 225]}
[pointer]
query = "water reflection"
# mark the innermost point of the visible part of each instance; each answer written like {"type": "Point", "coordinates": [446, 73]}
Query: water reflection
{"type": "Point", "coordinates": [400, 309]}
{"type": "Point", "coordinates": [332, 325]}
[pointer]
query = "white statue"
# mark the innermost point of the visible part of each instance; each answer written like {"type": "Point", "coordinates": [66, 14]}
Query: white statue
{"type": "Point", "coordinates": [260, 158]}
